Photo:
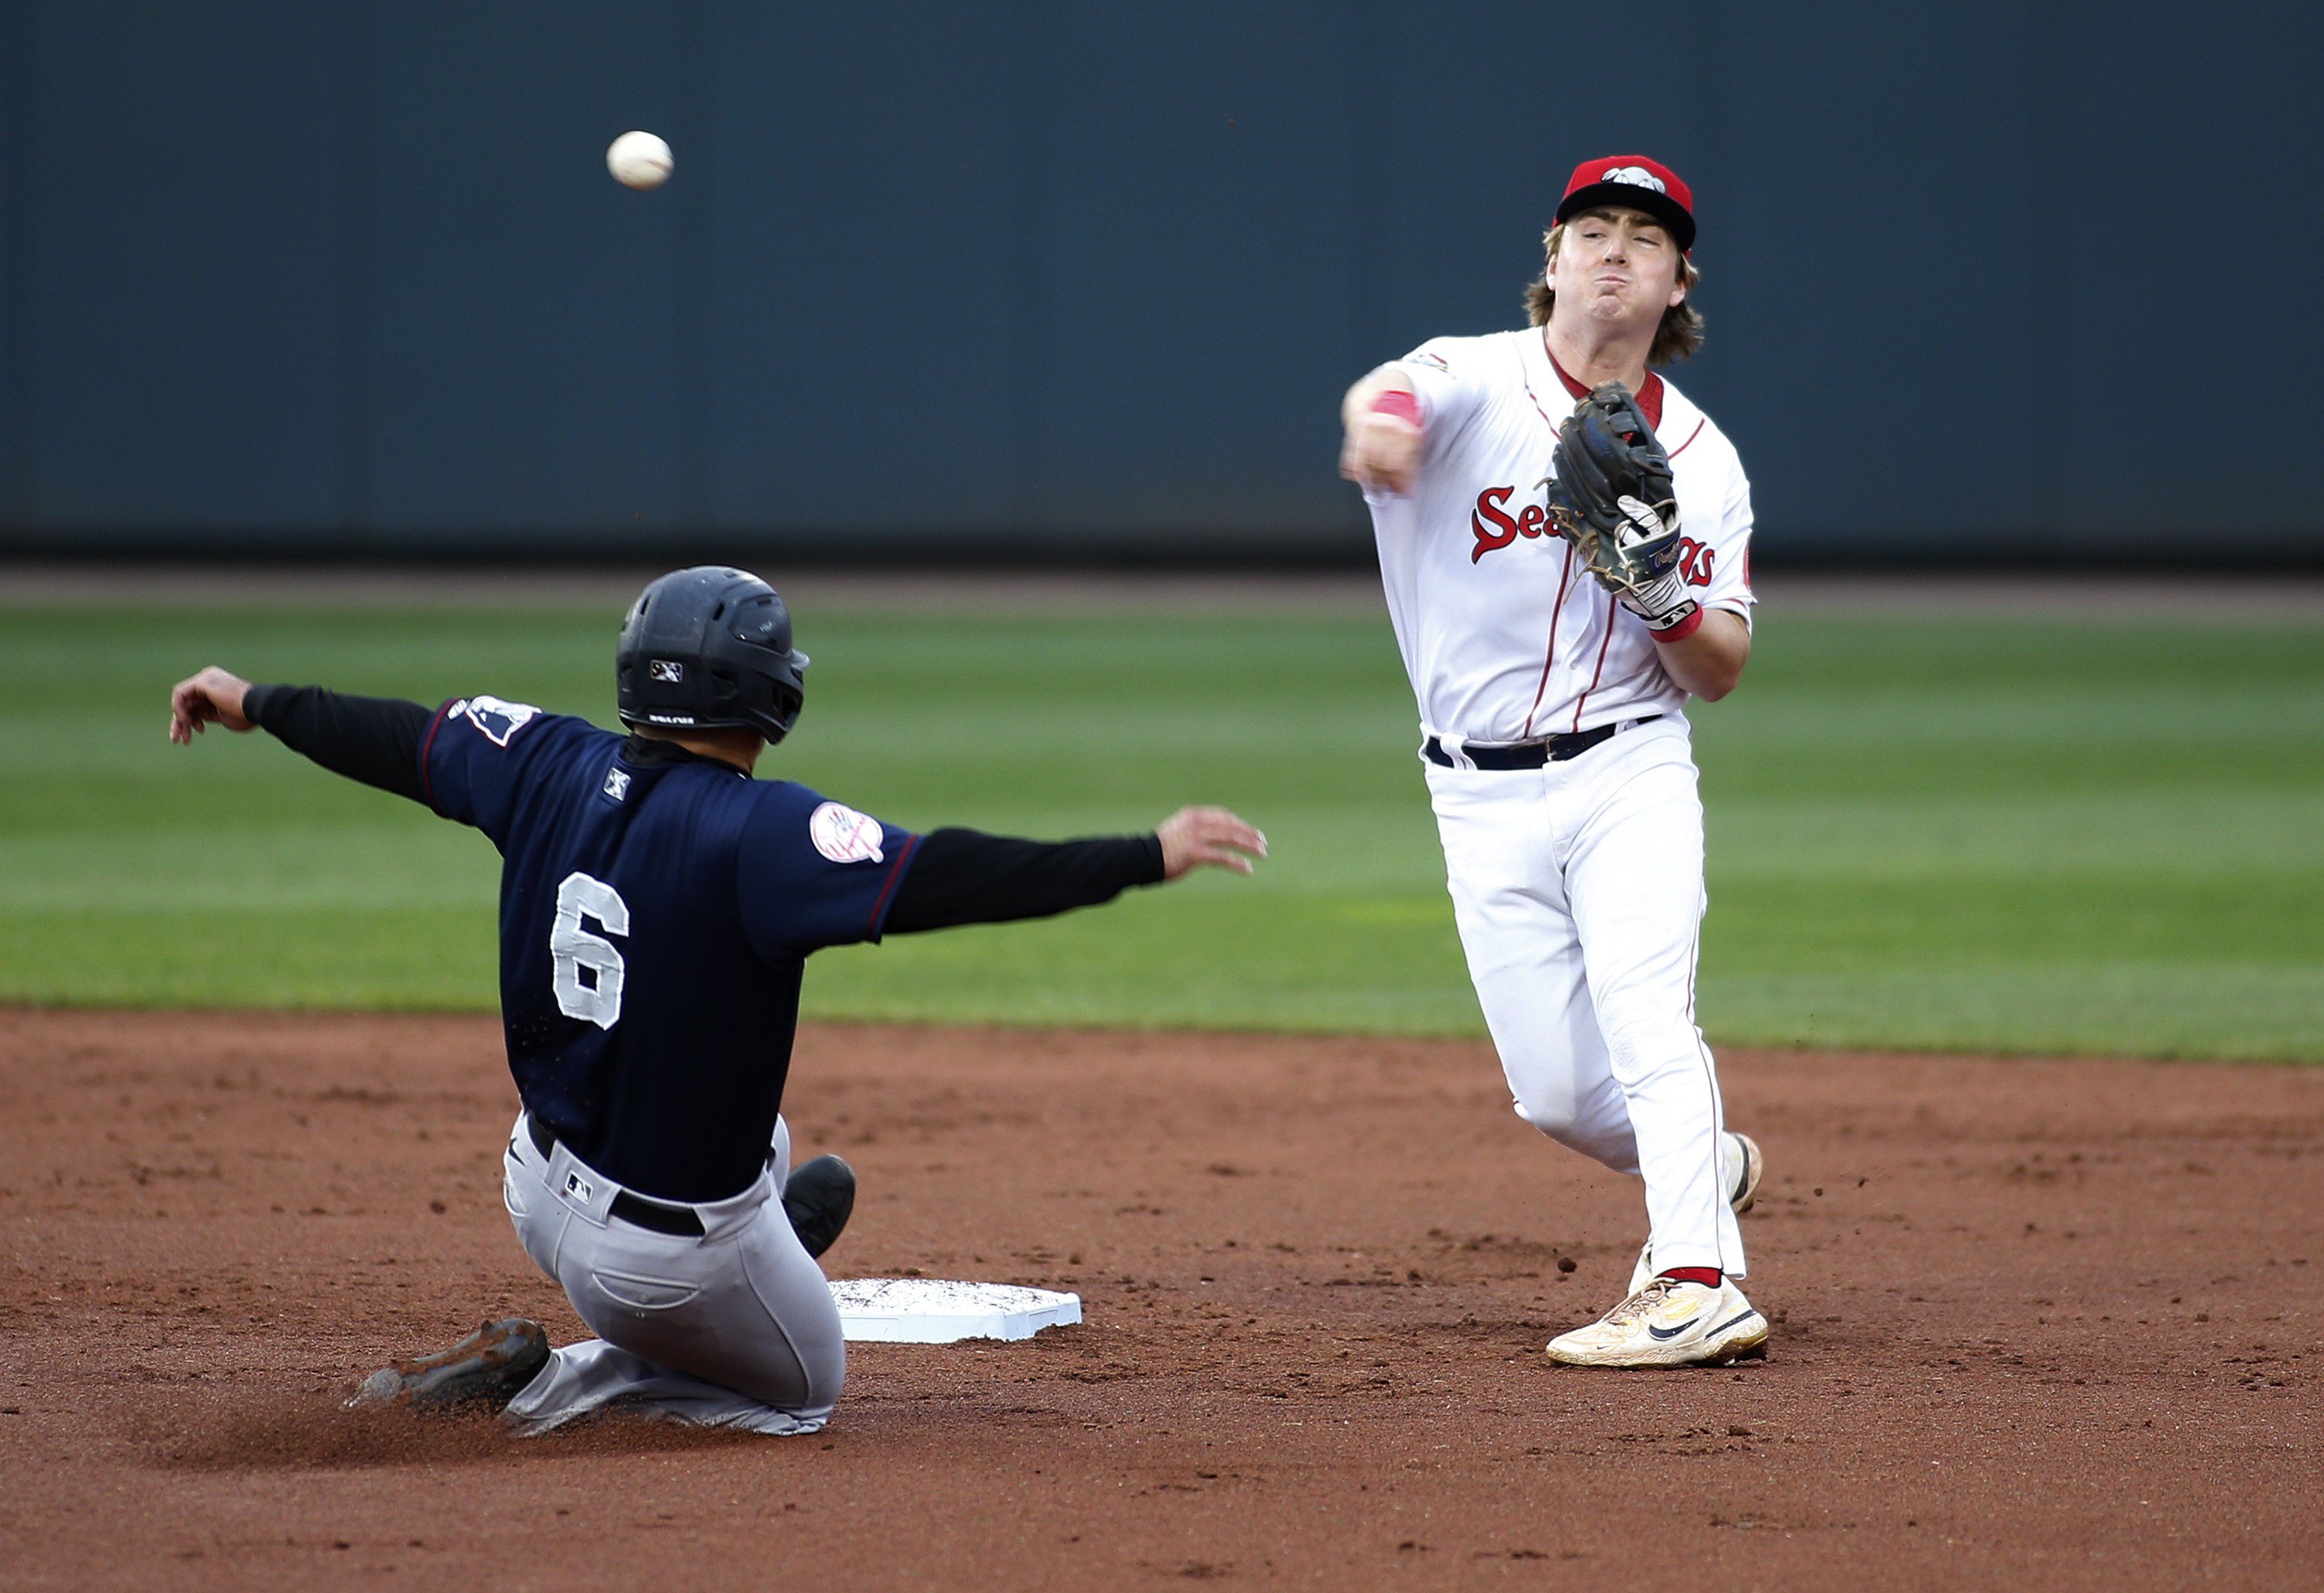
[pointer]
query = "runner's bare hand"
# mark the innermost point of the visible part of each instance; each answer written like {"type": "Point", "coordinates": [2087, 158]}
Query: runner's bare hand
{"type": "Point", "coordinates": [1193, 837]}
{"type": "Point", "coordinates": [212, 696]}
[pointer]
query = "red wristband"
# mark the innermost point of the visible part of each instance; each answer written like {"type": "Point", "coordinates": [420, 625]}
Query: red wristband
{"type": "Point", "coordinates": [1396, 401]}
{"type": "Point", "coordinates": [1684, 629]}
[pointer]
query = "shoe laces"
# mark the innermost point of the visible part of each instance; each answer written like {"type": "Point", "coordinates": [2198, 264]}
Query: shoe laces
{"type": "Point", "coordinates": [1656, 1290]}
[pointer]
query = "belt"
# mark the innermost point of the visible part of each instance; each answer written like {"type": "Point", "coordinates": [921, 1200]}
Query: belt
{"type": "Point", "coordinates": [636, 1209]}
{"type": "Point", "coordinates": [1530, 755]}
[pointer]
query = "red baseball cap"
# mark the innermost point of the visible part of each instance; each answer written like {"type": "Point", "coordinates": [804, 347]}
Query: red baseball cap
{"type": "Point", "coordinates": [1638, 181]}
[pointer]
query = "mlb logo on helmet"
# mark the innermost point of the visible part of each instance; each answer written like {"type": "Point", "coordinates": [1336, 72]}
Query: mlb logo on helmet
{"type": "Point", "coordinates": [665, 669]}
{"type": "Point", "coordinates": [1638, 183]}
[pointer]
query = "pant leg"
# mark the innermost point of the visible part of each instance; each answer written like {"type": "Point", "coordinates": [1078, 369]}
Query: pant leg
{"type": "Point", "coordinates": [736, 1327]}
{"type": "Point", "coordinates": [1524, 956]}
{"type": "Point", "coordinates": [1634, 874]}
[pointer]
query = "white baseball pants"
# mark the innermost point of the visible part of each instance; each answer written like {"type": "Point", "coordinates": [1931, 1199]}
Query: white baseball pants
{"type": "Point", "coordinates": [734, 1328]}
{"type": "Point", "coordinates": [1578, 890]}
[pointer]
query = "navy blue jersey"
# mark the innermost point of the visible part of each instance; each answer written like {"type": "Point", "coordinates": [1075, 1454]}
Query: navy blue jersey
{"type": "Point", "coordinates": [656, 915]}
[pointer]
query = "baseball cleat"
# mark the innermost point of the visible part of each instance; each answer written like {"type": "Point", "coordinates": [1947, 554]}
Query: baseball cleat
{"type": "Point", "coordinates": [818, 1199]}
{"type": "Point", "coordinates": [1668, 1323]}
{"type": "Point", "coordinates": [1739, 1159]}
{"type": "Point", "coordinates": [491, 1366]}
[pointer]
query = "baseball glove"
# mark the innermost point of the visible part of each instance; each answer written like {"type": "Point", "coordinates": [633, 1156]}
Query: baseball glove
{"type": "Point", "coordinates": [1612, 498]}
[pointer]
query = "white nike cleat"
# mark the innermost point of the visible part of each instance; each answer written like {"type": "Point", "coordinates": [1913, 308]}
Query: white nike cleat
{"type": "Point", "coordinates": [1668, 1323]}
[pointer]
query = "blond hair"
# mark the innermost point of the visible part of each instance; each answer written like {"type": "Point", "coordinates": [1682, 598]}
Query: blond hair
{"type": "Point", "coordinates": [1679, 333]}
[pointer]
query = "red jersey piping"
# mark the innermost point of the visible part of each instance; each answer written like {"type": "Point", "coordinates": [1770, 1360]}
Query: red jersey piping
{"type": "Point", "coordinates": [1601, 672]}
{"type": "Point", "coordinates": [895, 877]}
{"type": "Point", "coordinates": [428, 745]}
{"type": "Point", "coordinates": [1549, 653]}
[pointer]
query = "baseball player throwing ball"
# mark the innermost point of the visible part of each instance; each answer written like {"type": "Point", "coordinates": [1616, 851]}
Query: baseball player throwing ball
{"type": "Point", "coordinates": [1564, 540]}
{"type": "Point", "coordinates": [657, 905]}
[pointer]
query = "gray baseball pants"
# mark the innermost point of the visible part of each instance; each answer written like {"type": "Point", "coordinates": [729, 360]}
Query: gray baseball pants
{"type": "Point", "coordinates": [734, 1329]}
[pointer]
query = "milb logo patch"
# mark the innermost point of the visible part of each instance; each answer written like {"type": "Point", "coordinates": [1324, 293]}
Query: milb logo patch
{"type": "Point", "coordinates": [668, 671]}
{"type": "Point", "coordinates": [498, 721]}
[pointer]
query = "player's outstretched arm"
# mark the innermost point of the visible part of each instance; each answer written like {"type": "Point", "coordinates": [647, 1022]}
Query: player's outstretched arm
{"type": "Point", "coordinates": [963, 877]}
{"type": "Point", "coordinates": [374, 739]}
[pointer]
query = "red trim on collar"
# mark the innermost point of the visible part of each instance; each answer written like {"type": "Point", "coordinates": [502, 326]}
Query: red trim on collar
{"type": "Point", "coordinates": [1650, 396]}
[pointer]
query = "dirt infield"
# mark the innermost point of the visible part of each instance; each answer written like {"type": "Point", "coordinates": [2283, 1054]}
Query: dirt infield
{"type": "Point", "coordinates": [2036, 1323]}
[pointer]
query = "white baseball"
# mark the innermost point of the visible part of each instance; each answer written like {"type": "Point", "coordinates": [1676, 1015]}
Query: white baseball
{"type": "Point", "coordinates": [639, 160]}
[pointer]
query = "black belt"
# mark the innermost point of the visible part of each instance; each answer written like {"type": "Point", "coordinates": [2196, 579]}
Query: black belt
{"type": "Point", "coordinates": [1529, 755]}
{"type": "Point", "coordinates": [681, 1221]}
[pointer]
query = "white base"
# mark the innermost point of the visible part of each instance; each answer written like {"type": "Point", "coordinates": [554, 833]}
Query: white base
{"type": "Point", "coordinates": [939, 1311]}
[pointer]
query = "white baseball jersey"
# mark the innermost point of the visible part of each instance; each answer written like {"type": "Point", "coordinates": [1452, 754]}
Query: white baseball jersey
{"type": "Point", "coordinates": [1506, 635]}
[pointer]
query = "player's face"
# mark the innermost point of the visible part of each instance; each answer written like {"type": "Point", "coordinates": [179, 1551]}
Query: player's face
{"type": "Point", "coordinates": [1617, 267]}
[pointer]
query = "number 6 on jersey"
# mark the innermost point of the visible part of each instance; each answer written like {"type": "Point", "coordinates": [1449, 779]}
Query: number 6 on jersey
{"type": "Point", "coordinates": [571, 947]}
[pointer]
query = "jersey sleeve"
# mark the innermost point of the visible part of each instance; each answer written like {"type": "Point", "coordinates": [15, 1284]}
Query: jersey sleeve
{"type": "Point", "coordinates": [1725, 561]}
{"type": "Point", "coordinates": [473, 756]}
{"type": "Point", "coordinates": [1446, 374]}
{"type": "Point", "coordinates": [814, 873]}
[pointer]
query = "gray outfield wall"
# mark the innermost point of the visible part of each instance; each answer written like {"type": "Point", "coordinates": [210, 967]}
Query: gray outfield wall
{"type": "Point", "coordinates": [337, 276]}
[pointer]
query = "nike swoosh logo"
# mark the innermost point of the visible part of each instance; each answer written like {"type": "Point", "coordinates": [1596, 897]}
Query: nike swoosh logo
{"type": "Point", "coordinates": [1742, 1317]}
{"type": "Point", "coordinates": [1673, 1332]}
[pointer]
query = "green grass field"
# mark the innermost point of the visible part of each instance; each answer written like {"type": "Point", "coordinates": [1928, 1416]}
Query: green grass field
{"type": "Point", "coordinates": [2075, 834]}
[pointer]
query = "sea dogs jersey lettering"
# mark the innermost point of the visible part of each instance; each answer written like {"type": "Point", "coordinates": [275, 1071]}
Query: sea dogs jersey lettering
{"type": "Point", "coordinates": [1504, 633]}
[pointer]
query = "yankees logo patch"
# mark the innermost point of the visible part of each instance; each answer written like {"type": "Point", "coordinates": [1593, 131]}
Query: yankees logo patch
{"type": "Point", "coordinates": [498, 721]}
{"type": "Point", "coordinates": [845, 835]}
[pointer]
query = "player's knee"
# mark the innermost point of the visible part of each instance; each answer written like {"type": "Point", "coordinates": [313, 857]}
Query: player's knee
{"type": "Point", "coordinates": [1553, 1115]}
{"type": "Point", "coordinates": [1598, 1125]}
{"type": "Point", "coordinates": [827, 1376]}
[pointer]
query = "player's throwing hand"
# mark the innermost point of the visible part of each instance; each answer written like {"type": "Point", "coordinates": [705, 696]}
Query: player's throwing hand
{"type": "Point", "coordinates": [1380, 452]}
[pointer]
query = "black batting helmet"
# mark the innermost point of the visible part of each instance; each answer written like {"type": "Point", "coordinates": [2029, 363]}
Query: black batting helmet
{"type": "Point", "coordinates": [708, 647]}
